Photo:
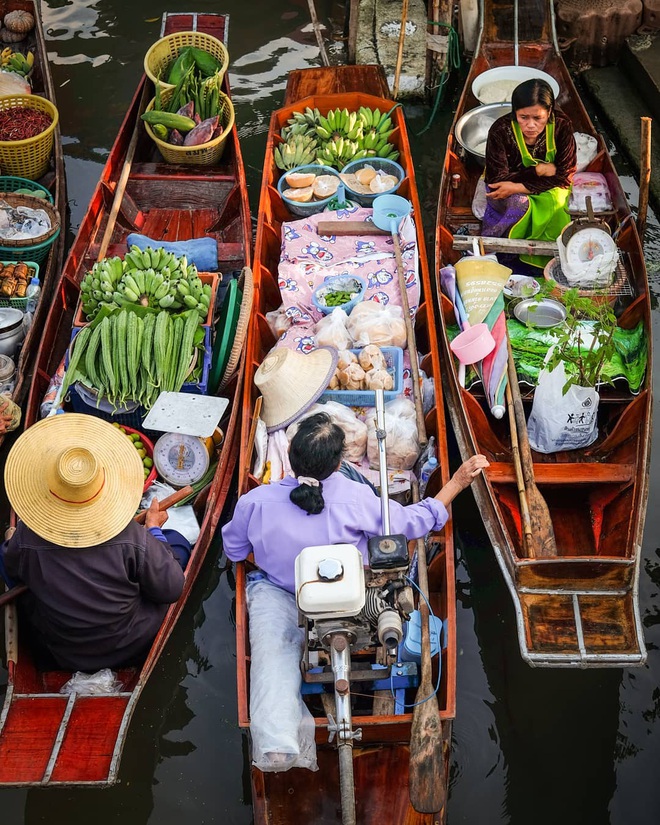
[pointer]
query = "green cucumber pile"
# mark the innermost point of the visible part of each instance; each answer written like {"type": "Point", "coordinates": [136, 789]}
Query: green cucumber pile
{"type": "Point", "coordinates": [134, 356]}
{"type": "Point", "coordinates": [149, 278]}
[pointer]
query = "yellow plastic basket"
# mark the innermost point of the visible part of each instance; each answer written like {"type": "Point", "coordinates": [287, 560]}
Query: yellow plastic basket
{"type": "Point", "coordinates": [28, 158]}
{"type": "Point", "coordinates": [207, 154]}
{"type": "Point", "coordinates": [166, 50]}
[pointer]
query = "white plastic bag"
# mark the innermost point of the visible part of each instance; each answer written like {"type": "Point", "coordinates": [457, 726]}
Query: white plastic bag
{"type": "Point", "coordinates": [587, 149]}
{"type": "Point", "coordinates": [479, 201]}
{"type": "Point", "coordinates": [92, 684]}
{"type": "Point", "coordinates": [562, 422]}
{"type": "Point", "coordinates": [331, 331]}
{"type": "Point", "coordinates": [373, 323]}
{"type": "Point", "coordinates": [281, 726]}
{"type": "Point", "coordinates": [401, 442]}
{"type": "Point", "coordinates": [593, 185]}
{"type": "Point", "coordinates": [182, 519]}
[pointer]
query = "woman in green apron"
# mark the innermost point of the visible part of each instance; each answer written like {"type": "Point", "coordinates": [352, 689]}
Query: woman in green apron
{"type": "Point", "coordinates": [530, 163]}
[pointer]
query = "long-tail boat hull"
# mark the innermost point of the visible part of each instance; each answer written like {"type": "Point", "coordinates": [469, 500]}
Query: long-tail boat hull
{"type": "Point", "coordinates": [47, 738]}
{"type": "Point", "coordinates": [580, 607]}
{"type": "Point", "coordinates": [55, 181]}
{"type": "Point", "coordinates": [381, 759]}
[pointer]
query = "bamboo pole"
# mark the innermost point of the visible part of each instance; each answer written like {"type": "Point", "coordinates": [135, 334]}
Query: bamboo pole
{"type": "Point", "coordinates": [644, 175]}
{"type": "Point", "coordinates": [317, 32]}
{"type": "Point", "coordinates": [399, 54]}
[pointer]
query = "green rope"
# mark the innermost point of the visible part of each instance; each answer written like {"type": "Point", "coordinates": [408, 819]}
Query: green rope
{"type": "Point", "coordinates": [452, 61]}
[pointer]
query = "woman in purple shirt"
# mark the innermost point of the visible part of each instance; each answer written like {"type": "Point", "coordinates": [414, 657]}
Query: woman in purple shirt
{"type": "Point", "coordinates": [322, 506]}
{"type": "Point", "coordinates": [275, 522]}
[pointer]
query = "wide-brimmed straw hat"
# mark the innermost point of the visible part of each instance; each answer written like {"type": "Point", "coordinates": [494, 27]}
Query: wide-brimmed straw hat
{"type": "Point", "coordinates": [74, 480]}
{"type": "Point", "coordinates": [290, 382]}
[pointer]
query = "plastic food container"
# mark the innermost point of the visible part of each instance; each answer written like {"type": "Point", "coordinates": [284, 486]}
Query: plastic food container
{"type": "Point", "coordinates": [339, 283]}
{"type": "Point", "coordinates": [149, 447]}
{"type": "Point", "coordinates": [384, 165]}
{"type": "Point", "coordinates": [367, 398]}
{"type": "Point", "coordinates": [302, 210]}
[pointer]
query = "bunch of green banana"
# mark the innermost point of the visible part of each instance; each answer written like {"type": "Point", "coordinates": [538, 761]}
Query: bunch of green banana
{"type": "Point", "coordinates": [302, 123]}
{"type": "Point", "coordinates": [339, 152]}
{"type": "Point", "coordinates": [339, 123]}
{"type": "Point", "coordinates": [12, 61]}
{"type": "Point", "coordinates": [149, 278]}
{"type": "Point", "coordinates": [297, 151]}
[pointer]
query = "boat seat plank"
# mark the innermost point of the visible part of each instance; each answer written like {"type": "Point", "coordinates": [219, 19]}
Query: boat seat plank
{"type": "Point", "coordinates": [512, 246]}
{"type": "Point", "coordinates": [342, 80]}
{"type": "Point", "coordinates": [27, 738]}
{"type": "Point", "coordinates": [565, 473]}
{"type": "Point", "coordinates": [90, 739]}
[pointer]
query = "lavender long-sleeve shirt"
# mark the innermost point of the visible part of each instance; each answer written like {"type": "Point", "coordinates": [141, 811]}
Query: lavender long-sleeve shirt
{"type": "Point", "coordinates": [267, 523]}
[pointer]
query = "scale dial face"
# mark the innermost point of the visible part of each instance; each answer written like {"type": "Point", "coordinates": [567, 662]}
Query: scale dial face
{"type": "Point", "coordinates": [588, 244]}
{"type": "Point", "coordinates": [181, 459]}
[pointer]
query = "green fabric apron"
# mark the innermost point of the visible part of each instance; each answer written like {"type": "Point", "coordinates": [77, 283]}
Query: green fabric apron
{"type": "Point", "coordinates": [547, 214]}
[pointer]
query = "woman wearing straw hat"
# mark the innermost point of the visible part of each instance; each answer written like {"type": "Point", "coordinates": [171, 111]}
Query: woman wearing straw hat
{"type": "Point", "coordinates": [275, 522]}
{"type": "Point", "coordinates": [99, 583]}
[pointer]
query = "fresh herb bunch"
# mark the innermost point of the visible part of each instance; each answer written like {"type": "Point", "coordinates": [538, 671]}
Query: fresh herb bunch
{"type": "Point", "coordinates": [584, 350]}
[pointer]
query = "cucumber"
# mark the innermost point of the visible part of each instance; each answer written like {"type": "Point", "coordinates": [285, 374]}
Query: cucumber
{"type": "Point", "coordinates": [160, 131]}
{"type": "Point", "coordinates": [206, 63]}
{"type": "Point", "coordinates": [170, 120]}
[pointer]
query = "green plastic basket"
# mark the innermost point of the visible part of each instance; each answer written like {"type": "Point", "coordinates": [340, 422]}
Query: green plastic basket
{"type": "Point", "coordinates": [9, 183]}
{"type": "Point", "coordinates": [36, 253]}
{"type": "Point", "coordinates": [18, 303]}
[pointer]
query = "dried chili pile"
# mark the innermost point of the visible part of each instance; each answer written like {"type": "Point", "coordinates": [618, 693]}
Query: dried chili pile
{"type": "Point", "coordinates": [22, 123]}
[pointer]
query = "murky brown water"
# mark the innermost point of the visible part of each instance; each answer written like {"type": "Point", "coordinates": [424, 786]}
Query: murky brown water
{"type": "Point", "coordinates": [531, 746]}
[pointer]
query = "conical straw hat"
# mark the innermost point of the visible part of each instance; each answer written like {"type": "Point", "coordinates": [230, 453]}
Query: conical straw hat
{"type": "Point", "coordinates": [290, 382]}
{"type": "Point", "coordinates": [74, 480]}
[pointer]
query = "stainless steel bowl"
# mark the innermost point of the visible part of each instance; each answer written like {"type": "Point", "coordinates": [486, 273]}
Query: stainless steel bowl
{"type": "Point", "coordinates": [543, 313]}
{"type": "Point", "coordinates": [473, 127]}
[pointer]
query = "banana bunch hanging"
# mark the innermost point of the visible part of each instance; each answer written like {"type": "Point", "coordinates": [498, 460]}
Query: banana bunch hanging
{"type": "Point", "coordinates": [148, 278]}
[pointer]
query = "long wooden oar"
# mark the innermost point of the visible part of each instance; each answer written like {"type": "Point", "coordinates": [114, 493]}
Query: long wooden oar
{"type": "Point", "coordinates": [123, 178]}
{"type": "Point", "coordinates": [540, 541]}
{"type": "Point", "coordinates": [520, 479]}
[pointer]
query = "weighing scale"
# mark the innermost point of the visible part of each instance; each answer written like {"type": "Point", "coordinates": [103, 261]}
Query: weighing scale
{"type": "Point", "coordinates": [587, 252]}
{"type": "Point", "coordinates": [190, 426]}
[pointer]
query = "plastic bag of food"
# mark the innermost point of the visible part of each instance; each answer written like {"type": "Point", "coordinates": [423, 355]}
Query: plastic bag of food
{"type": "Point", "coordinates": [402, 441]}
{"type": "Point", "coordinates": [331, 331]}
{"type": "Point", "coordinates": [182, 518]}
{"type": "Point", "coordinates": [373, 323]}
{"type": "Point", "coordinates": [593, 185]}
{"type": "Point", "coordinates": [587, 149]}
{"type": "Point", "coordinates": [92, 684]}
{"type": "Point", "coordinates": [355, 430]}
{"type": "Point", "coordinates": [281, 726]}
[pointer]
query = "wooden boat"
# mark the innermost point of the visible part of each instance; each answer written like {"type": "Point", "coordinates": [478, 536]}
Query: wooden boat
{"type": "Point", "coordinates": [381, 759]}
{"type": "Point", "coordinates": [47, 738]}
{"type": "Point", "coordinates": [55, 181]}
{"type": "Point", "coordinates": [578, 608]}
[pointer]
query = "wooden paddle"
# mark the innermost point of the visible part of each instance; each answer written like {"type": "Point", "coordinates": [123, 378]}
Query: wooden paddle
{"type": "Point", "coordinates": [520, 479]}
{"type": "Point", "coordinates": [399, 53]}
{"type": "Point", "coordinates": [349, 228]}
{"type": "Point", "coordinates": [166, 503]}
{"type": "Point", "coordinates": [426, 772]}
{"type": "Point", "coordinates": [13, 593]}
{"type": "Point", "coordinates": [123, 178]}
{"type": "Point", "coordinates": [541, 542]}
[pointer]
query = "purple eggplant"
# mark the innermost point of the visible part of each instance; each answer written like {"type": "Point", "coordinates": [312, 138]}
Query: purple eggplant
{"type": "Point", "coordinates": [176, 138]}
{"type": "Point", "coordinates": [188, 110]}
{"type": "Point", "coordinates": [201, 133]}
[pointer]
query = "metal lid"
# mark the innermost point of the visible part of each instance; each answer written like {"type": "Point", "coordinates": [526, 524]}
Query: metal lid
{"type": "Point", "coordinates": [7, 367]}
{"type": "Point", "coordinates": [10, 318]}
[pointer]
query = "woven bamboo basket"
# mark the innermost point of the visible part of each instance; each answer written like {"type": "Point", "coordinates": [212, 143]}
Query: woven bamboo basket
{"type": "Point", "coordinates": [166, 50]}
{"type": "Point", "coordinates": [30, 249]}
{"type": "Point", "coordinates": [206, 154]}
{"type": "Point", "coordinates": [28, 158]}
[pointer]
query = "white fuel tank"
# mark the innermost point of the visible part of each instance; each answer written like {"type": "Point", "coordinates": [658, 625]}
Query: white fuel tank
{"type": "Point", "coordinates": [330, 581]}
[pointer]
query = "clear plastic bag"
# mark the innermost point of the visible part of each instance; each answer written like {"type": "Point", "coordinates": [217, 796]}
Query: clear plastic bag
{"type": "Point", "coordinates": [281, 726]}
{"type": "Point", "coordinates": [373, 323]}
{"type": "Point", "coordinates": [182, 519]}
{"type": "Point", "coordinates": [331, 331]}
{"type": "Point", "coordinates": [402, 441]}
{"type": "Point", "coordinates": [92, 684]}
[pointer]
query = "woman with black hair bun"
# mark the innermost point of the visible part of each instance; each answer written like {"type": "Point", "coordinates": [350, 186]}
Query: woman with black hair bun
{"type": "Point", "coordinates": [321, 506]}
{"type": "Point", "coordinates": [530, 162]}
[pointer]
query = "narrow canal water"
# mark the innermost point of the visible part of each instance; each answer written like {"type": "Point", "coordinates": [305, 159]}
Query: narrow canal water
{"type": "Point", "coordinates": [530, 746]}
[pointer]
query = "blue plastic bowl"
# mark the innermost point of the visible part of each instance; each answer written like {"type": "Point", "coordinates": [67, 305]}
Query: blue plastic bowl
{"type": "Point", "coordinates": [388, 167]}
{"type": "Point", "coordinates": [335, 283]}
{"type": "Point", "coordinates": [313, 206]}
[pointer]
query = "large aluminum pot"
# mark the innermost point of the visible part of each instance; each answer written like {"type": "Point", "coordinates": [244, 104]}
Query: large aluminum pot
{"type": "Point", "coordinates": [12, 330]}
{"type": "Point", "coordinates": [473, 127]}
